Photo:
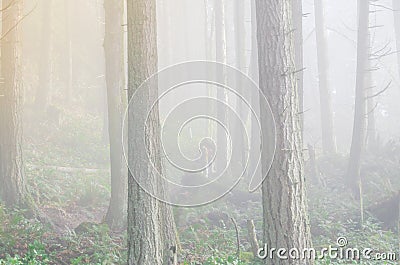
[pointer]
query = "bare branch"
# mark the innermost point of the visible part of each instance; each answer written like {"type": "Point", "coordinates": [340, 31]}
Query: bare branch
{"type": "Point", "coordinates": [380, 92]}
{"type": "Point", "coordinates": [18, 22]}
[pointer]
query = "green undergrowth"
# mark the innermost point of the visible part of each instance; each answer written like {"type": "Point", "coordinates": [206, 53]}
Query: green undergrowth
{"type": "Point", "coordinates": [29, 242]}
{"type": "Point", "coordinates": [66, 168]}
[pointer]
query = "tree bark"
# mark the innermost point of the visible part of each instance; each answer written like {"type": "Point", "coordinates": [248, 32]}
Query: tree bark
{"type": "Point", "coordinates": [151, 230]}
{"type": "Point", "coordinates": [42, 92]}
{"type": "Point", "coordinates": [114, 57]}
{"type": "Point", "coordinates": [285, 215]}
{"type": "Point", "coordinates": [12, 182]}
{"type": "Point", "coordinates": [360, 121]}
{"type": "Point", "coordinates": [328, 138]}
{"type": "Point", "coordinates": [298, 51]}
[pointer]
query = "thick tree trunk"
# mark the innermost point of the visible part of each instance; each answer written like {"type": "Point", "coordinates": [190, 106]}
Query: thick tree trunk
{"type": "Point", "coordinates": [298, 50]}
{"type": "Point", "coordinates": [396, 17]}
{"type": "Point", "coordinates": [12, 183]}
{"type": "Point", "coordinates": [114, 55]}
{"type": "Point", "coordinates": [328, 138]}
{"type": "Point", "coordinates": [285, 217]}
{"type": "Point", "coordinates": [360, 121]}
{"type": "Point", "coordinates": [43, 90]}
{"type": "Point", "coordinates": [151, 230]}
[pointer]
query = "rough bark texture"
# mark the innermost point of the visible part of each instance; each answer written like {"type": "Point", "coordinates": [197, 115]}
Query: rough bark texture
{"type": "Point", "coordinates": [114, 55]}
{"type": "Point", "coordinates": [360, 121]}
{"type": "Point", "coordinates": [298, 50]}
{"type": "Point", "coordinates": [151, 231]}
{"type": "Point", "coordinates": [42, 92]}
{"type": "Point", "coordinates": [328, 138]}
{"type": "Point", "coordinates": [12, 184]}
{"type": "Point", "coordinates": [285, 217]}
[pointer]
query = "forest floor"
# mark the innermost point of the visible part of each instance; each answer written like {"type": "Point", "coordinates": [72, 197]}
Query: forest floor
{"type": "Point", "coordinates": [66, 166]}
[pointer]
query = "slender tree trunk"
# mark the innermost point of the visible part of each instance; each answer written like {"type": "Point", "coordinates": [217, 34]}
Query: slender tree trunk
{"type": "Point", "coordinates": [360, 122]}
{"type": "Point", "coordinates": [253, 73]}
{"type": "Point", "coordinates": [209, 43]}
{"type": "Point", "coordinates": [396, 16]}
{"type": "Point", "coordinates": [240, 36]}
{"type": "Point", "coordinates": [371, 138]}
{"type": "Point", "coordinates": [328, 138]}
{"type": "Point", "coordinates": [69, 70]}
{"type": "Point", "coordinates": [166, 22]}
{"type": "Point", "coordinates": [371, 127]}
{"type": "Point", "coordinates": [12, 182]}
{"type": "Point", "coordinates": [253, 64]}
{"type": "Point", "coordinates": [43, 90]}
{"type": "Point", "coordinates": [220, 51]}
{"type": "Point", "coordinates": [285, 215]}
{"type": "Point", "coordinates": [252, 237]}
{"type": "Point", "coordinates": [114, 55]}
{"type": "Point", "coordinates": [207, 31]}
{"type": "Point", "coordinates": [151, 230]}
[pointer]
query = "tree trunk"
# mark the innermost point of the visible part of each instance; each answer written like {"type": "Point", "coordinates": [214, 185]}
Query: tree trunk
{"type": "Point", "coordinates": [220, 51]}
{"type": "Point", "coordinates": [360, 122]}
{"type": "Point", "coordinates": [114, 56]}
{"type": "Point", "coordinates": [240, 36]}
{"type": "Point", "coordinates": [328, 138]}
{"type": "Point", "coordinates": [68, 57]}
{"type": "Point", "coordinates": [253, 64]}
{"type": "Point", "coordinates": [371, 138]}
{"type": "Point", "coordinates": [285, 215]}
{"type": "Point", "coordinates": [396, 17]}
{"type": "Point", "coordinates": [253, 73]}
{"type": "Point", "coordinates": [151, 230]}
{"type": "Point", "coordinates": [298, 51]}
{"type": "Point", "coordinates": [42, 92]}
{"type": "Point", "coordinates": [12, 182]}
{"type": "Point", "coordinates": [252, 237]}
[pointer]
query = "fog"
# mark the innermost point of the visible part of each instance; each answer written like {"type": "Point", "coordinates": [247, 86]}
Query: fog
{"type": "Point", "coordinates": [234, 132]}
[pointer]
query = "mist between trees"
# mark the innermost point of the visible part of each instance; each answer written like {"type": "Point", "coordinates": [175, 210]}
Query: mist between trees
{"type": "Point", "coordinates": [154, 132]}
